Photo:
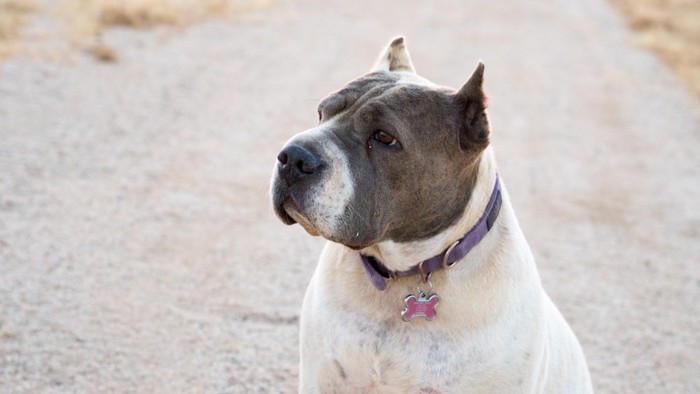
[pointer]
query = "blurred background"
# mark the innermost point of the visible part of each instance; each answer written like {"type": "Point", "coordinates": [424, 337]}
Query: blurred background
{"type": "Point", "coordinates": [138, 249]}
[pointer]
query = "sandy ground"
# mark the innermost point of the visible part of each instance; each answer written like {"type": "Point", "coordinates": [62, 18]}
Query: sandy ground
{"type": "Point", "coordinates": [138, 251]}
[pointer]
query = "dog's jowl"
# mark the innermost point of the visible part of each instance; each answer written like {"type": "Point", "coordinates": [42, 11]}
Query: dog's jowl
{"type": "Point", "coordinates": [426, 283]}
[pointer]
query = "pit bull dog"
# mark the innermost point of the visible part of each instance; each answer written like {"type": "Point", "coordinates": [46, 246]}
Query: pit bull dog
{"type": "Point", "coordinates": [427, 284]}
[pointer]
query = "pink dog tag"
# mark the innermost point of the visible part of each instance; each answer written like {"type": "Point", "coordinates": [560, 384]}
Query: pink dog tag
{"type": "Point", "coordinates": [422, 306]}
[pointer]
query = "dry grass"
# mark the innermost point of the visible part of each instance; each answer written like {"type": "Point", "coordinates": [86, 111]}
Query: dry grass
{"type": "Point", "coordinates": [13, 15]}
{"type": "Point", "coordinates": [84, 20]}
{"type": "Point", "coordinates": [144, 13]}
{"type": "Point", "coordinates": [103, 52]}
{"type": "Point", "coordinates": [87, 18]}
{"type": "Point", "coordinates": [671, 28]}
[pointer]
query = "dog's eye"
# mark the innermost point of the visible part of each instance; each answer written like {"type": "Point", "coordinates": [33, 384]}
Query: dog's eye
{"type": "Point", "coordinates": [384, 138]}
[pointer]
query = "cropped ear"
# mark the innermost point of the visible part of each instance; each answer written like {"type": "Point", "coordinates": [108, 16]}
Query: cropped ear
{"type": "Point", "coordinates": [395, 57]}
{"type": "Point", "coordinates": [472, 102]}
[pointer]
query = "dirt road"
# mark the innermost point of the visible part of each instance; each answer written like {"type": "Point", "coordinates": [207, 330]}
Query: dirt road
{"type": "Point", "coordinates": [138, 251]}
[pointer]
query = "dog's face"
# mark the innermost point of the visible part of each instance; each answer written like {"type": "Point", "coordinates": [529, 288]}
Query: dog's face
{"type": "Point", "coordinates": [394, 157]}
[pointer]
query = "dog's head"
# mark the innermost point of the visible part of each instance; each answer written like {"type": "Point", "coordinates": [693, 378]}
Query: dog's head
{"type": "Point", "coordinates": [394, 157]}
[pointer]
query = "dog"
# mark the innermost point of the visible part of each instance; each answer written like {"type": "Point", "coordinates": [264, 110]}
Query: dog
{"type": "Point", "coordinates": [426, 283]}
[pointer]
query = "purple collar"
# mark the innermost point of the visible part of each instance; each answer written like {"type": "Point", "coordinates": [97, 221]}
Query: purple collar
{"type": "Point", "coordinates": [377, 272]}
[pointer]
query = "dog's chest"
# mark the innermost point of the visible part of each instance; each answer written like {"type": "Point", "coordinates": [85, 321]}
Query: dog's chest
{"type": "Point", "coordinates": [402, 357]}
{"type": "Point", "coordinates": [390, 356]}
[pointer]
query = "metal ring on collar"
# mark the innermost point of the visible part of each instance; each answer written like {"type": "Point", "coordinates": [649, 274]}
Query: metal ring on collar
{"type": "Point", "coordinates": [423, 276]}
{"type": "Point", "coordinates": [445, 264]}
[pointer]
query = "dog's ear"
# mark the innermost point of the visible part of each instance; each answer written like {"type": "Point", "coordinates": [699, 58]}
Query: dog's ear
{"type": "Point", "coordinates": [395, 57]}
{"type": "Point", "coordinates": [472, 102]}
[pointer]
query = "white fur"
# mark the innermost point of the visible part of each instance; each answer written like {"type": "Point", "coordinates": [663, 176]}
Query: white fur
{"type": "Point", "coordinates": [496, 330]}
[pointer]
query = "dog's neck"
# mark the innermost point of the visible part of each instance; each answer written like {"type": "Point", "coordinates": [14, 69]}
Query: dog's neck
{"type": "Point", "coordinates": [402, 256]}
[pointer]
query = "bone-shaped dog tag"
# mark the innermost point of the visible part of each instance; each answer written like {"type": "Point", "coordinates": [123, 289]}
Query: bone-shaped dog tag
{"type": "Point", "coordinates": [421, 306]}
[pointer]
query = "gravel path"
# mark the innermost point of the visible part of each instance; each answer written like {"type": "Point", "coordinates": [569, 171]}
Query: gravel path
{"type": "Point", "coordinates": [139, 253]}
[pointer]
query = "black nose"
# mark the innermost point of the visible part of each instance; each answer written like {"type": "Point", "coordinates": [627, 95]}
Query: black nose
{"type": "Point", "coordinates": [297, 161]}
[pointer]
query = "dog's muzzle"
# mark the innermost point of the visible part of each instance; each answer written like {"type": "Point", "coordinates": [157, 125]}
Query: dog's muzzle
{"type": "Point", "coordinates": [298, 170]}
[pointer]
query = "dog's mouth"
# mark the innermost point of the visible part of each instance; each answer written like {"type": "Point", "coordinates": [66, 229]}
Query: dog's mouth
{"type": "Point", "coordinates": [290, 213]}
{"type": "Point", "coordinates": [281, 212]}
{"type": "Point", "coordinates": [290, 207]}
